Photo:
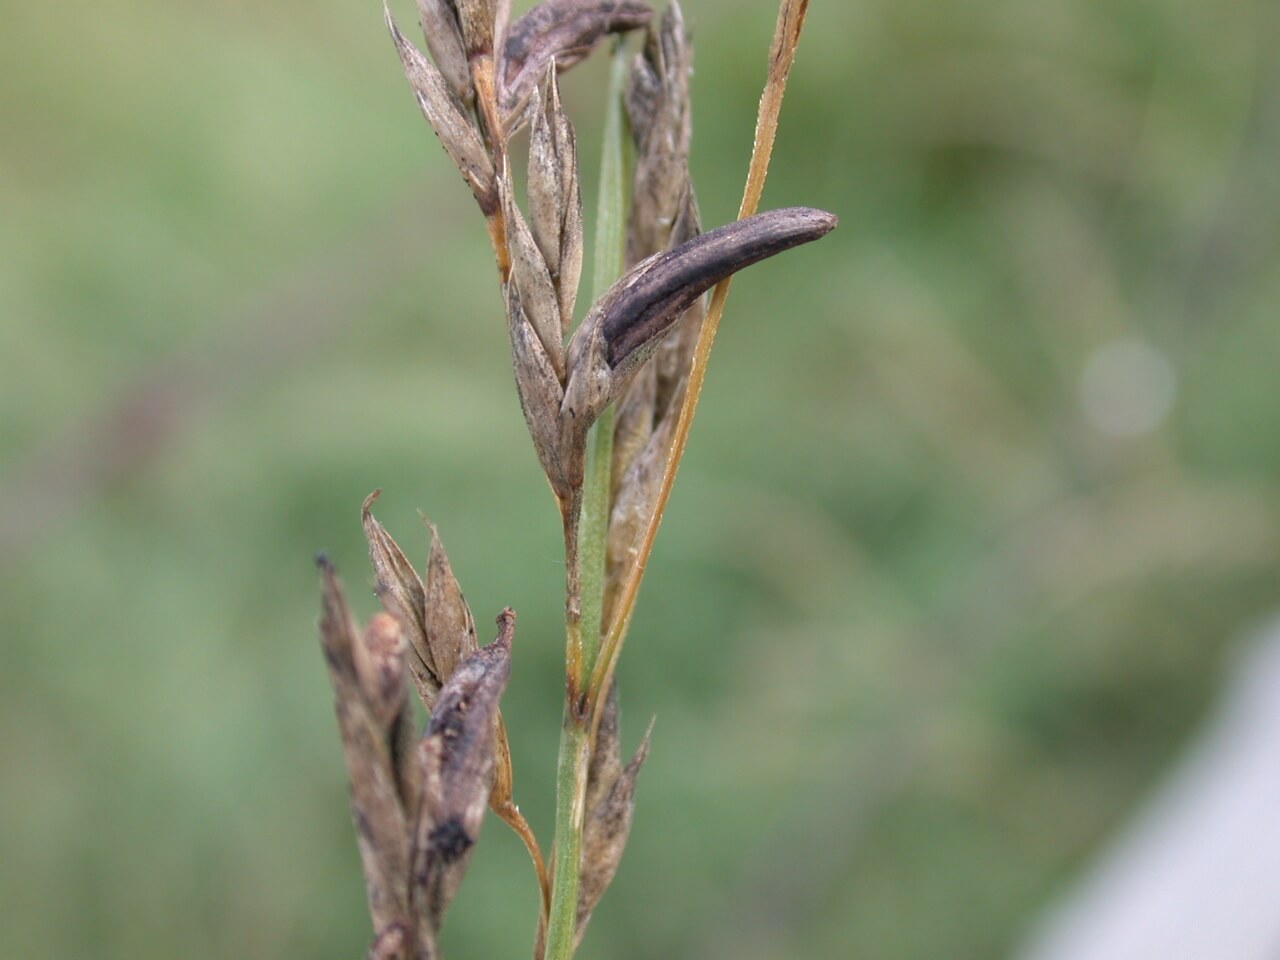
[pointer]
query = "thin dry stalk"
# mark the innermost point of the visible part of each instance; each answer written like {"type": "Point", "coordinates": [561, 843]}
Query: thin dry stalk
{"type": "Point", "coordinates": [782, 53]}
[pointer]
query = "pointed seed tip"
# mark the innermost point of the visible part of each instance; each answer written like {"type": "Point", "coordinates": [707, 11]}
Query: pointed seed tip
{"type": "Point", "coordinates": [822, 221]}
{"type": "Point", "coordinates": [642, 751]}
{"type": "Point", "coordinates": [829, 219]}
{"type": "Point", "coordinates": [506, 627]}
{"type": "Point", "coordinates": [506, 620]}
{"type": "Point", "coordinates": [436, 542]}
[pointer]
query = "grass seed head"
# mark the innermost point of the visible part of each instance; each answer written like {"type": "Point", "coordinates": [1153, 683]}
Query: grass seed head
{"type": "Point", "coordinates": [563, 32]}
{"type": "Point", "coordinates": [458, 754]}
{"type": "Point", "coordinates": [458, 134]}
{"type": "Point", "coordinates": [555, 198]}
{"type": "Point", "coordinates": [419, 803]}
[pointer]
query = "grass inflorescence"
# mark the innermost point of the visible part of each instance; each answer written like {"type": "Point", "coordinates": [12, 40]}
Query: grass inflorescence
{"type": "Point", "coordinates": [608, 402]}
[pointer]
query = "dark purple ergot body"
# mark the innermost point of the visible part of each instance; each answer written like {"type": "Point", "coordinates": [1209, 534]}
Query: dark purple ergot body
{"type": "Point", "coordinates": [664, 287]}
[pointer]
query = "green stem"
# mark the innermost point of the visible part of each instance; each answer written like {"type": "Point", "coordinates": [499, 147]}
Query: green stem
{"type": "Point", "coordinates": [571, 772]}
{"type": "Point", "coordinates": [607, 267]}
{"type": "Point", "coordinates": [592, 540]}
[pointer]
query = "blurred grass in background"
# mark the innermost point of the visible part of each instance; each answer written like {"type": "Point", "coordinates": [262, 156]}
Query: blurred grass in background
{"type": "Point", "coordinates": [918, 630]}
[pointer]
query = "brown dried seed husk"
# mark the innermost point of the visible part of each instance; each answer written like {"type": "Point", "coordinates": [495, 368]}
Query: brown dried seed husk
{"type": "Point", "coordinates": [571, 237]}
{"type": "Point", "coordinates": [606, 752]}
{"type": "Point", "coordinates": [501, 23]}
{"type": "Point", "coordinates": [673, 360]}
{"type": "Point", "coordinates": [604, 837]}
{"type": "Point", "coordinates": [674, 357]}
{"type": "Point", "coordinates": [658, 106]}
{"type": "Point", "coordinates": [540, 393]}
{"type": "Point", "coordinates": [458, 137]}
{"type": "Point", "coordinates": [443, 33]}
{"type": "Point", "coordinates": [427, 868]}
{"type": "Point", "coordinates": [476, 19]}
{"type": "Point", "coordinates": [663, 209]}
{"type": "Point", "coordinates": [561, 30]}
{"type": "Point", "coordinates": [571, 249]}
{"type": "Point", "coordinates": [544, 183]}
{"type": "Point", "coordinates": [458, 753]}
{"type": "Point", "coordinates": [590, 387]}
{"type": "Point", "coordinates": [393, 943]}
{"type": "Point", "coordinates": [644, 88]}
{"type": "Point", "coordinates": [379, 658]}
{"type": "Point", "coordinates": [382, 832]}
{"type": "Point", "coordinates": [404, 594]}
{"type": "Point", "coordinates": [555, 202]}
{"type": "Point", "coordinates": [632, 508]}
{"type": "Point", "coordinates": [633, 424]}
{"type": "Point", "coordinates": [532, 278]}
{"type": "Point", "coordinates": [451, 631]}
{"type": "Point", "coordinates": [404, 757]}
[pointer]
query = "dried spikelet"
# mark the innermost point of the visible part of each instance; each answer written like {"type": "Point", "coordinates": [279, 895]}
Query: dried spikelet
{"type": "Point", "coordinates": [403, 741]}
{"type": "Point", "coordinates": [443, 33]}
{"type": "Point", "coordinates": [604, 837]}
{"type": "Point", "coordinates": [419, 803]}
{"type": "Point", "coordinates": [402, 593]}
{"type": "Point", "coordinates": [532, 279]}
{"type": "Point", "coordinates": [606, 751]}
{"type": "Point", "coordinates": [381, 826]}
{"type": "Point", "coordinates": [451, 631]}
{"type": "Point", "coordinates": [501, 24]}
{"type": "Point", "coordinates": [476, 18]}
{"type": "Point", "coordinates": [663, 214]}
{"type": "Point", "coordinates": [563, 31]}
{"type": "Point", "coordinates": [633, 423]}
{"type": "Point", "coordinates": [632, 507]}
{"type": "Point", "coordinates": [414, 843]}
{"type": "Point", "coordinates": [435, 618]}
{"type": "Point", "coordinates": [555, 200]}
{"type": "Point", "coordinates": [458, 757]}
{"type": "Point", "coordinates": [540, 394]}
{"type": "Point", "coordinates": [458, 136]}
{"type": "Point", "coordinates": [393, 943]}
{"type": "Point", "coordinates": [380, 666]}
{"type": "Point", "coordinates": [674, 357]}
{"type": "Point", "coordinates": [381, 659]}
{"type": "Point", "coordinates": [658, 106]}
{"type": "Point", "coordinates": [436, 632]}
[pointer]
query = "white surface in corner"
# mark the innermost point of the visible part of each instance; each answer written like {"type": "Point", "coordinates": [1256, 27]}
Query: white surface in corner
{"type": "Point", "coordinates": [1197, 876]}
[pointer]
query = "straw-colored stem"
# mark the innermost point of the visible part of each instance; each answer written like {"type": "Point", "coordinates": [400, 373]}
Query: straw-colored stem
{"type": "Point", "coordinates": [786, 37]}
{"type": "Point", "coordinates": [513, 818]}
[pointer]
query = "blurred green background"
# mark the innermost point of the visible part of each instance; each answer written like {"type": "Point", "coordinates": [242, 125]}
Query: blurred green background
{"type": "Point", "coordinates": [950, 573]}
